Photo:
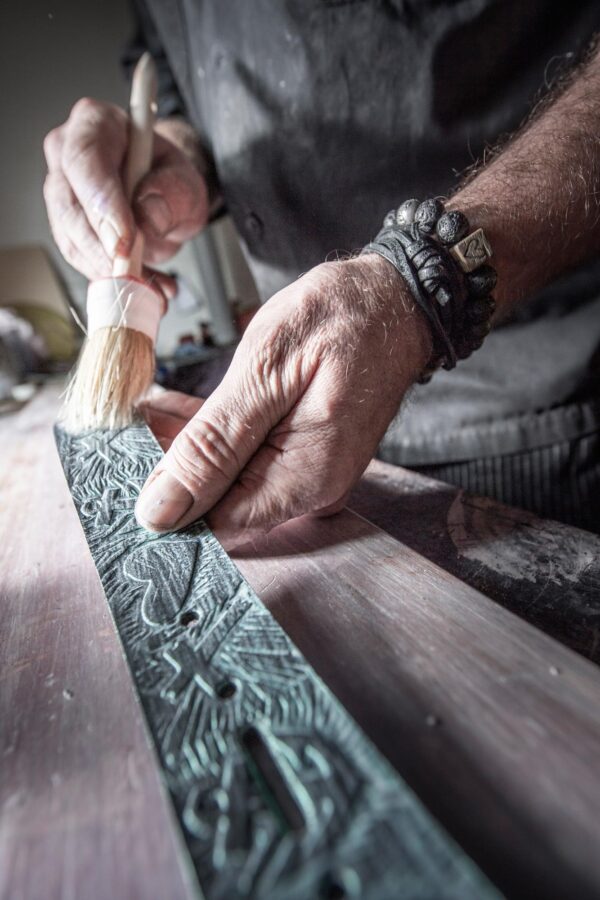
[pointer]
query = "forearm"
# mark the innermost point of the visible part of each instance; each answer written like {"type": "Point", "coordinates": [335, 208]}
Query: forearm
{"type": "Point", "coordinates": [538, 200]}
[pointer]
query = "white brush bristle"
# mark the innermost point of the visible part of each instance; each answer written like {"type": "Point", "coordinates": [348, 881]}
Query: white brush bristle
{"type": "Point", "coordinates": [114, 370]}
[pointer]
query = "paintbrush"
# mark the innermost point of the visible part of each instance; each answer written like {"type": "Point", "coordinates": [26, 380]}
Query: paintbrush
{"type": "Point", "coordinates": [116, 365]}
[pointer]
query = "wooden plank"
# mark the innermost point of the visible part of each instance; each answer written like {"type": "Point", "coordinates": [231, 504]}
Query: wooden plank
{"type": "Point", "coordinates": [546, 572]}
{"type": "Point", "coordinates": [277, 792]}
{"type": "Point", "coordinates": [76, 838]}
{"type": "Point", "coordinates": [495, 725]}
{"type": "Point", "coordinates": [83, 812]}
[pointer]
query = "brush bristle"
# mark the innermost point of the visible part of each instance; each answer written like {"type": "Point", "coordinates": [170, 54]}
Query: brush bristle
{"type": "Point", "coordinates": [114, 370]}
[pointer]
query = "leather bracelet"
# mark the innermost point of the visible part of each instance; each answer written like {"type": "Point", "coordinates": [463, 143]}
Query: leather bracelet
{"type": "Point", "coordinates": [446, 271]}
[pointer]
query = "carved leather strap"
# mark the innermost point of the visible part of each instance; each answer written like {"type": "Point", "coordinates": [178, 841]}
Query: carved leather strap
{"type": "Point", "coordinates": [277, 791]}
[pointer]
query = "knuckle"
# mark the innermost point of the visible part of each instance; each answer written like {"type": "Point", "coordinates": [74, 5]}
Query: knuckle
{"type": "Point", "coordinates": [204, 448]}
{"type": "Point", "coordinates": [263, 348]}
{"type": "Point", "coordinates": [97, 112]}
{"type": "Point", "coordinates": [86, 107]}
{"type": "Point", "coordinates": [276, 364]}
{"type": "Point", "coordinates": [76, 151]}
{"type": "Point", "coordinates": [52, 143]}
{"type": "Point", "coordinates": [273, 374]}
{"type": "Point", "coordinates": [93, 133]}
{"type": "Point", "coordinates": [316, 310]}
{"type": "Point", "coordinates": [269, 354]}
{"type": "Point", "coordinates": [311, 305]}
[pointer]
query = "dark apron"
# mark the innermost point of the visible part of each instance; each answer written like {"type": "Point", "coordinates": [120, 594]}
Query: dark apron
{"type": "Point", "coordinates": [321, 115]}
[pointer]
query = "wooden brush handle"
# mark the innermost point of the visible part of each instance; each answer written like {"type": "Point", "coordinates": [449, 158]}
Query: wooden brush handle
{"type": "Point", "coordinates": [142, 112]}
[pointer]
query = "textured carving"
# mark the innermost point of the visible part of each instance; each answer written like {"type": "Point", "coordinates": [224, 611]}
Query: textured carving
{"type": "Point", "coordinates": [278, 793]}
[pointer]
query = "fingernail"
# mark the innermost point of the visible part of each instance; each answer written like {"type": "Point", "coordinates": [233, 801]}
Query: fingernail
{"type": "Point", "coordinates": [162, 503]}
{"type": "Point", "coordinates": [110, 238]}
{"type": "Point", "coordinates": [156, 213]}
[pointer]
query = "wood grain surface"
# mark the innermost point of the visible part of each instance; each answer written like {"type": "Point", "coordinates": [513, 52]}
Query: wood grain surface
{"type": "Point", "coordinates": [494, 724]}
{"type": "Point", "coordinates": [83, 814]}
{"type": "Point", "coordinates": [545, 572]}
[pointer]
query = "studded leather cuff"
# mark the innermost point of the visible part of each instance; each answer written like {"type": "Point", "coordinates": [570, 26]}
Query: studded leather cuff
{"type": "Point", "coordinates": [446, 269]}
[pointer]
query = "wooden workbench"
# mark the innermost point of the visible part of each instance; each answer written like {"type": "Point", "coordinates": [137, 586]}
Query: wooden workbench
{"type": "Point", "coordinates": [425, 614]}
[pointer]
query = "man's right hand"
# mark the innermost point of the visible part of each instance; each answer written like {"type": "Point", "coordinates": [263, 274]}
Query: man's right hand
{"type": "Point", "coordinates": [91, 219]}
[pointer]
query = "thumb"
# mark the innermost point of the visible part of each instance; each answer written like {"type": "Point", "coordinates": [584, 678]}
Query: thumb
{"type": "Point", "coordinates": [299, 469]}
{"type": "Point", "coordinates": [171, 203]}
{"type": "Point", "coordinates": [208, 454]}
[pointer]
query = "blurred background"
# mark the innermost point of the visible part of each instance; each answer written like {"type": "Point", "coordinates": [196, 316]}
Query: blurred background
{"type": "Point", "coordinates": [52, 53]}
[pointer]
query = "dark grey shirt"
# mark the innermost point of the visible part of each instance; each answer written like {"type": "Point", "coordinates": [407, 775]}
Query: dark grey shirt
{"type": "Point", "coordinates": [321, 115]}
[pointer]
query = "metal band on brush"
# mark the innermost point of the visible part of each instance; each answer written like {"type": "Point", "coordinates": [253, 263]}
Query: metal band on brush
{"type": "Point", "coordinates": [124, 303]}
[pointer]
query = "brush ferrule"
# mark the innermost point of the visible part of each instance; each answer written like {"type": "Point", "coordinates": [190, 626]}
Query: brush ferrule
{"type": "Point", "coordinates": [124, 303]}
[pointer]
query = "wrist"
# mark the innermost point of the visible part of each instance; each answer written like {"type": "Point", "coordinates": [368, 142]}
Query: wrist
{"type": "Point", "coordinates": [401, 314]}
{"type": "Point", "coordinates": [444, 266]}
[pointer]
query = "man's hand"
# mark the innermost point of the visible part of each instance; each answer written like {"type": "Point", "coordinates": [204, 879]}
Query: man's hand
{"type": "Point", "coordinates": [314, 383]}
{"type": "Point", "coordinates": [91, 219]}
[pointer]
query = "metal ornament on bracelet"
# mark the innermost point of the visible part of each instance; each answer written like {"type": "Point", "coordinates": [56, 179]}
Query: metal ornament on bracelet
{"type": "Point", "coordinates": [447, 273]}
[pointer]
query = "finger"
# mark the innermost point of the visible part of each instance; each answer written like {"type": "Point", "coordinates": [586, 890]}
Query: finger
{"type": "Point", "coordinates": [159, 251]}
{"type": "Point", "coordinates": [92, 154]}
{"type": "Point", "coordinates": [173, 403]}
{"type": "Point", "coordinates": [79, 244]}
{"type": "Point", "coordinates": [168, 413]}
{"type": "Point", "coordinates": [165, 283]}
{"type": "Point", "coordinates": [71, 230]}
{"type": "Point", "coordinates": [207, 456]}
{"type": "Point", "coordinates": [53, 143]}
{"type": "Point", "coordinates": [171, 205]}
{"type": "Point", "coordinates": [298, 470]}
{"type": "Point", "coordinates": [332, 508]}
